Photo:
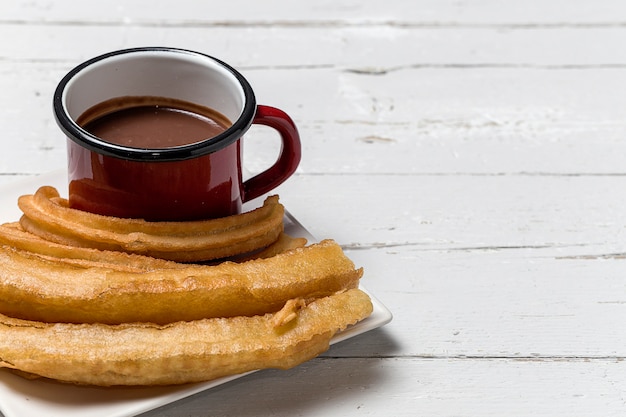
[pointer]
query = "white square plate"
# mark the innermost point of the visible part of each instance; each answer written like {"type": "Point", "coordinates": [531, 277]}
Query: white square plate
{"type": "Point", "coordinates": [26, 398]}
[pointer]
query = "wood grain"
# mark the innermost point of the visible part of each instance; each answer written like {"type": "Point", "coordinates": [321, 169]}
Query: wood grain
{"type": "Point", "coordinates": [470, 155]}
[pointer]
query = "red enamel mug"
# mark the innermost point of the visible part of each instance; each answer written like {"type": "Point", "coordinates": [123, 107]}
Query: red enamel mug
{"type": "Point", "coordinates": [198, 180]}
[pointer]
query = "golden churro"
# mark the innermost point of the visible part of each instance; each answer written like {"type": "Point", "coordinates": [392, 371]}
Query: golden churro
{"type": "Point", "coordinates": [47, 215]}
{"type": "Point", "coordinates": [99, 300]}
{"type": "Point", "coordinates": [147, 354]}
{"type": "Point", "coordinates": [50, 290]}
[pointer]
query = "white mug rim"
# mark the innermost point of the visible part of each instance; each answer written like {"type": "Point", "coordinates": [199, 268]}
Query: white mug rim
{"type": "Point", "coordinates": [76, 133]}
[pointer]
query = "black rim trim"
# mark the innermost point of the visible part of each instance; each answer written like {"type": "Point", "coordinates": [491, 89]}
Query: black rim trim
{"type": "Point", "coordinates": [74, 132]}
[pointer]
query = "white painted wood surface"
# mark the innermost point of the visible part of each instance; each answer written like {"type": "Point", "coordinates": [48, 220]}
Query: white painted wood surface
{"type": "Point", "coordinates": [471, 155]}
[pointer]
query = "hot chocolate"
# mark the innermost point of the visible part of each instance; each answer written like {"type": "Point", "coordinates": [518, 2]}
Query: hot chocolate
{"type": "Point", "coordinates": [152, 122]}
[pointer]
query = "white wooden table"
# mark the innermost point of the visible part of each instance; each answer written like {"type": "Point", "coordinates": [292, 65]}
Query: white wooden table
{"type": "Point", "coordinates": [471, 155]}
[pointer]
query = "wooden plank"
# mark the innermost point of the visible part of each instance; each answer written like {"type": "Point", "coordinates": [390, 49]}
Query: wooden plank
{"type": "Point", "coordinates": [419, 387]}
{"type": "Point", "coordinates": [432, 121]}
{"type": "Point", "coordinates": [361, 49]}
{"type": "Point", "coordinates": [579, 214]}
{"type": "Point", "coordinates": [494, 303]}
{"type": "Point", "coordinates": [276, 12]}
{"type": "Point", "coordinates": [490, 266]}
{"type": "Point", "coordinates": [570, 215]}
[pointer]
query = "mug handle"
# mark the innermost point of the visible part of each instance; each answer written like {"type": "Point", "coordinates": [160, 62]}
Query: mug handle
{"type": "Point", "coordinates": [288, 159]}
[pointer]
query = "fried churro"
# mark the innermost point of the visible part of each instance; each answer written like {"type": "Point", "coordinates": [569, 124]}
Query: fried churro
{"type": "Point", "coordinates": [148, 354]}
{"type": "Point", "coordinates": [48, 215]}
{"type": "Point", "coordinates": [36, 288]}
